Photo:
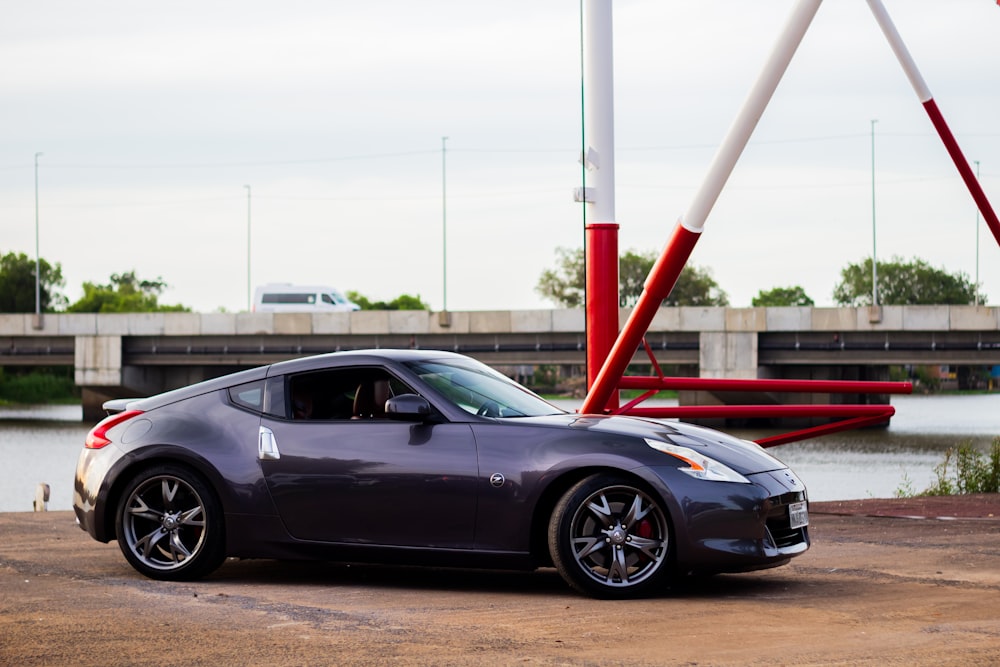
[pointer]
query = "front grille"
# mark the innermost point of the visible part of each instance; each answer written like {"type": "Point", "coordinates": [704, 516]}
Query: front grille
{"type": "Point", "coordinates": [783, 537]}
{"type": "Point", "coordinates": [779, 531]}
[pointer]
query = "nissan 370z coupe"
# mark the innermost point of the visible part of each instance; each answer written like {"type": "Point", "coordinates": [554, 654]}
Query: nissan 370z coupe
{"type": "Point", "coordinates": [429, 458]}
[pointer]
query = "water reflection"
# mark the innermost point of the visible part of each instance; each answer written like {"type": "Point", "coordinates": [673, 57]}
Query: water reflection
{"type": "Point", "coordinates": [878, 463]}
{"type": "Point", "coordinates": [39, 444]}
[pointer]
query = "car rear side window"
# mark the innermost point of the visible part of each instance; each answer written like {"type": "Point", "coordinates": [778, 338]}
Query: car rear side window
{"type": "Point", "coordinates": [249, 395]}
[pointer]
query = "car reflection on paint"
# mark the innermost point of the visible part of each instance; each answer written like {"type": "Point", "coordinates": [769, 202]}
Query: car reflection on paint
{"type": "Point", "coordinates": [428, 458]}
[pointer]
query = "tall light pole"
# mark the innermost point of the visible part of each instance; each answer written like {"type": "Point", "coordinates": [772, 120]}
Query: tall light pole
{"type": "Point", "coordinates": [444, 227]}
{"type": "Point", "coordinates": [38, 257]}
{"type": "Point", "coordinates": [248, 247]}
{"type": "Point", "coordinates": [976, 162]}
{"type": "Point", "coordinates": [874, 247]}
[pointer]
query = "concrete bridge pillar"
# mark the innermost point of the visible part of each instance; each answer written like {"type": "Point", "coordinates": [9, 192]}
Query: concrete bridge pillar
{"type": "Point", "coordinates": [727, 355]}
{"type": "Point", "coordinates": [97, 370]}
{"type": "Point", "coordinates": [723, 355]}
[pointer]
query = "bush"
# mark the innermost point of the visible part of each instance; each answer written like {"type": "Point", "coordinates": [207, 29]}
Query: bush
{"type": "Point", "coordinates": [967, 470]}
{"type": "Point", "coordinates": [37, 386]}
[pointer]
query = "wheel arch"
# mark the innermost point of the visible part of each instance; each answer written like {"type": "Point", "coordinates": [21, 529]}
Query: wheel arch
{"type": "Point", "coordinates": [558, 487]}
{"type": "Point", "coordinates": [134, 466]}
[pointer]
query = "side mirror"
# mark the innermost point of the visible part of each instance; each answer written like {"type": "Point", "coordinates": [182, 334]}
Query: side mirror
{"type": "Point", "coordinates": [407, 407]}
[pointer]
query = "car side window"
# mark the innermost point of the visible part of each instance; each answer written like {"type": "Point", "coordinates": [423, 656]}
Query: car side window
{"type": "Point", "coordinates": [341, 394]}
{"type": "Point", "coordinates": [249, 395]}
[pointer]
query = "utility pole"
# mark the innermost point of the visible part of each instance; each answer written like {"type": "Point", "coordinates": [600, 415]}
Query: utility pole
{"type": "Point", "coordinates": [976, 162]}
{"type": "Point", "coordinates": [874, 255]}
{"type": "Point", "coordinates": [444, 226]}
{"type": "Point", "coordinates": [38, 257]}
{"type": "Point", "coordinates": [248, 247]}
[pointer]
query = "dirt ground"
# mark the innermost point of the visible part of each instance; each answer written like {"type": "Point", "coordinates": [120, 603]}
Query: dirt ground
{"type": "Point", "coordinates": [875, 589]}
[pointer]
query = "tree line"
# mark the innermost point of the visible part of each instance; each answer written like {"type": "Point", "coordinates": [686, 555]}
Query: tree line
{"type": "Point", "coordinates": [124, 292]}
{"type": "Point", "coordinates": [900, 283]}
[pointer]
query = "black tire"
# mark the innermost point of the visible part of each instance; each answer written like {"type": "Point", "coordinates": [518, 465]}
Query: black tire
{"type": "Point", "coordinates": [170, 524]}
{"type": "Point", "coordinates": [610, 538]}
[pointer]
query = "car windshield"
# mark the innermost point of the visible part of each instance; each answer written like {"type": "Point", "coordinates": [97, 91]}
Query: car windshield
{"type": "Point", "coordinates": [480, 390]}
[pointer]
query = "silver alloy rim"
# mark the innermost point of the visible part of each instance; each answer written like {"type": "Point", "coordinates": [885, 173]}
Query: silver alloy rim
{"type": "Point", "coordinates": [619, 536]}
{"type": "Point", "coordinates": [164, 522]}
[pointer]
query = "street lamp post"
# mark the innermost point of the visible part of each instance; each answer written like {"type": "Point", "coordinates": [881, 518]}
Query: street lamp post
{"type": "Point", "coordinates": [874, 248]}
{"type": "Point", "coordinates": [248, 247]}
{"type": "Point", "coordinates": [38, 257]}
{"type": "Point", "coordinates": [444, 227]}
{"type": "Point", "coordinates": [977, 239]}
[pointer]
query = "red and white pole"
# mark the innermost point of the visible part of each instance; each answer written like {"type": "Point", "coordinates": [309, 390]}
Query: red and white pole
{"type": "Point", "coordinates": [927, 100]}
{"type": "Point", "coordinates": [601, 234]}
{"type": "Point", "coordinates": [688, 229]}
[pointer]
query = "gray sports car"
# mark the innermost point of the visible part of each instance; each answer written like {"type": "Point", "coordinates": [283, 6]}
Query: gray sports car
{"type": "Point", "coordinates": [425, 457]}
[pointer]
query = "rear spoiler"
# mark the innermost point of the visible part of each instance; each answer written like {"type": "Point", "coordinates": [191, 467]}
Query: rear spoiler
{"type": "Point", "coordinates": [116, 405]}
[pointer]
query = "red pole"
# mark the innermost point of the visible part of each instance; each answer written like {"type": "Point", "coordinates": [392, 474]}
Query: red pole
{"type": "Point", "coordinates": [602, 299]}
{"type": "Point", "coordinates": [661, 280]}
{"type": "Point", "coordinates": [687, 232]}
{"type": "Point", "coordinates": [971, 182]}
{"type": "Point", "coordinates": [759, 384]}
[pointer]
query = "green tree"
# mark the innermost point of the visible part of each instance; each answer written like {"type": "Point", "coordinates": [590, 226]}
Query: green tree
{"type": "Point", "coordinates": [903, 283]}
{"type": "Point", "coordinates": [695, 287]}
{"type": "Point", "coordinates": [782, 296]}
{"type": "Point", "coordinates": [126, 293]}
{"type": "Point", "coordinates": [633, 269]}
{"type": "Point", "coordinates": [17, 284]}
{"type": "Point", "coordinates": [565, 284]}
{"type": "Point", "coordinates": [401, 302]}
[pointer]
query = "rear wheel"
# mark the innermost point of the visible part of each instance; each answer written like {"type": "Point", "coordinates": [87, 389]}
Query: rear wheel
{"type": "Point", "coordinates": [609, 538]}
{"type": "Point", "coordinates": [170, 525]}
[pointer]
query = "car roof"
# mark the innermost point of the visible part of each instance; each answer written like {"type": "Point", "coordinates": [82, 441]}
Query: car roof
{"type": "Point", "coordinates": [363, 357]}
{"type": "Point", "coordinates": [374, 357]}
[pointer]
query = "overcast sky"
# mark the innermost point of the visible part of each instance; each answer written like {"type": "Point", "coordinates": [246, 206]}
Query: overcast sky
{"type": "Point", "coordinates": [152, 117]}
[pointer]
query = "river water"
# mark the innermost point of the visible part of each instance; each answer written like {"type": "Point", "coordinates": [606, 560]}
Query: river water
{"type": "Point", "coordinates": [41, 444]}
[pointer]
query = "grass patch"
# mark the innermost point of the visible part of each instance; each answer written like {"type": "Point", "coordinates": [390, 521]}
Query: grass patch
{"type": "Point", "coordinates": [49, 385]}
{"type": "Point", "coordinates": [964, 470]}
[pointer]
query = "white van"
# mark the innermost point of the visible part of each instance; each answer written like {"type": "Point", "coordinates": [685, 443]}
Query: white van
{"type": "Point", "coordinates": [288, 298]}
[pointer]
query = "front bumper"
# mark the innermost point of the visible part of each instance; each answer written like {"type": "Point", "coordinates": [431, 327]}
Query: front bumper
{"type": "Point", "coordinates": [733, 527]}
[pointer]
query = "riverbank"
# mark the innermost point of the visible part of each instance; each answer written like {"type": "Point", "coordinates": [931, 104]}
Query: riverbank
{"type": "Point", "coordinates": [873, 590]}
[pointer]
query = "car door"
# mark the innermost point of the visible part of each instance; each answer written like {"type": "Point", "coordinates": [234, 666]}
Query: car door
{"type": "Point", "coordinates": [365, 479]}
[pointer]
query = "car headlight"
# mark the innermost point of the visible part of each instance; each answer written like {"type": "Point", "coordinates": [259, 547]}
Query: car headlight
{"type": "Point", "coordinates": [699, 465]}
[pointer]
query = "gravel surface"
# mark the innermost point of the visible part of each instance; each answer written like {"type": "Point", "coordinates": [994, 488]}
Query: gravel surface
{"type": "Point", "coordinates": [877, 588]}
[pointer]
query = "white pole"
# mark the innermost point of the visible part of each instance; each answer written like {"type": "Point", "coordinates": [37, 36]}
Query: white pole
{"type": "Point", "coordinates": [599, 110]}
{"type": "Point", "coordinates": [753, 107]}
{"type": "Point", "coordinates": [899, 48]}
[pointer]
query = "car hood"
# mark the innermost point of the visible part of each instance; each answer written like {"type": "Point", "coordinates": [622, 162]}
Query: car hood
{"type": "Point", "coordinates": [741, 455]}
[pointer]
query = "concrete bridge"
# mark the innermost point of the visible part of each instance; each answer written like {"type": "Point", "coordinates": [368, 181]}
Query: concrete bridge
{"type": "Point", "coordinates": [143, 353]}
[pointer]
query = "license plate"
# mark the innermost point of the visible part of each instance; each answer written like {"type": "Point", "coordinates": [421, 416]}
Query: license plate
{"type": "Point", "coordinates": [798, 515]}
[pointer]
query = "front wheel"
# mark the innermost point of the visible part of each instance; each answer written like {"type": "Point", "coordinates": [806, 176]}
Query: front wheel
{"type": "Point", "coordinates": [609, 538]}
{"type": "Point", "coordinates": [170, 525]}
